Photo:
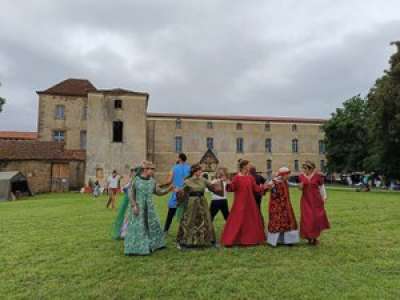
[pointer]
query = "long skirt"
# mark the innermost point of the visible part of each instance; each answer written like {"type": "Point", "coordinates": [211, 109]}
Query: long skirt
{"type": "Point", "coordinates": [121, 221]}
{"type": "Point", "coordinates": [313, 216]}
{"type": "Point", "coordinates": [144, 234]}
{"type": "Point", "coordinates": [196, 228]}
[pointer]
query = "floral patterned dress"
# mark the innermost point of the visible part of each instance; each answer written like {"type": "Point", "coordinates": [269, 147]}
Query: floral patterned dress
{"type": "Point", "coordinates": [196, 228]}
{"type": "Point", "coordinates": [144, 234]}
{"type": "Point", "coordinates": [282, 225]}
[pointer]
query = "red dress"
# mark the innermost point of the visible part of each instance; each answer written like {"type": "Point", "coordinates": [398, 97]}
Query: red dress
{"type": "Point", "coordinates": [244, 225]}
{"type": "Point", "coordinates": [313, 216]}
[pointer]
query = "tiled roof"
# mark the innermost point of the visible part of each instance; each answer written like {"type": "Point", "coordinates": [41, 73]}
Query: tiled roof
{"type": "Point", "coordinates": [119, 91]}
{"type": "Point", "coordinates": [237, 118]}
{"type": "Point", "coordinates": [37, 150]}
{"type": "Point", "coordinates": [18, 135]}
{"type": "Point", "coordinates": [71, 87]}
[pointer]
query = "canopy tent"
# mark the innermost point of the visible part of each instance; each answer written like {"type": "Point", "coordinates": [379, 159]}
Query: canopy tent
{"type": "Point", "coordinates": [13, 183]}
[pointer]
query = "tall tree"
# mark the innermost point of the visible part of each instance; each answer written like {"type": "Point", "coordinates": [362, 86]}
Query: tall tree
{"type": "Point", "coordinates": [346, 136]}
{"type": "Point", "coordinates": [2, 102]}
{"type": "Point", "coordinates": [384, 121]}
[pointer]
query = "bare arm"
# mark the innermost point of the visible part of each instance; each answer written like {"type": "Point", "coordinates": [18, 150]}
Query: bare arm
{"type": "Point", "coordinates": [162, 190]}
{"type": "Point", "coordinates": [216, 188]}
{"type": "Point", "coordinates": [232, 185]}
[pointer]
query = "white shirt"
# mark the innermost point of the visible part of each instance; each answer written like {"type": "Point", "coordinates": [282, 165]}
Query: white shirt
{"type": "Point", "coordinates": [113, 182]}
{"type": "Point", "coordinates": [216, 197]}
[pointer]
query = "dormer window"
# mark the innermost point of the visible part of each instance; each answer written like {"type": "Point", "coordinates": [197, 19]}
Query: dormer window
{"type": "Point", "coordinates": [118, 104]}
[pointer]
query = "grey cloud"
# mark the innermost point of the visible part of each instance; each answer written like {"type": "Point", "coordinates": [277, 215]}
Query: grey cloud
{"type": "Point", "coordinates": [280, 58]}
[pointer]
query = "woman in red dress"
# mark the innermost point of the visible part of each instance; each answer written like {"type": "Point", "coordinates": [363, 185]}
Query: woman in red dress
{"type": "Point", "coordinates": [244, 226]}
{"type": "Point", "coordinates": [313, 216]}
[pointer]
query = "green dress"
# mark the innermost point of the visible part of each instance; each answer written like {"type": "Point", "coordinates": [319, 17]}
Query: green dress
{"type": "Point", "coordinates": [196, 228]}
{"type": "Point", "coordinates": [144, 234]}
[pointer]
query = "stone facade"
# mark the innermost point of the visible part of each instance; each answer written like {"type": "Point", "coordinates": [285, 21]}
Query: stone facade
{"type": "Point", "coordinates": [153, 136]}
{"type": "Point", "coordinates": [38, 173]}
{"type": "Point", "coordinates": [194, 133]}
{"type": "Point", "coordinates": [73, 124]}
{"type": "Point", "coordinates": [46, 164]}
{"type": "Point", "coordinates": [103, 153]}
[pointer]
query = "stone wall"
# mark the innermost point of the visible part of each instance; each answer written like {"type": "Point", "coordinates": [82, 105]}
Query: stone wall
{"type": "Point", "coordinates": [39, 173]}
{"type": "Point", "coordinates": [73, 123]}
{"type": "Point", "coordinates": [103, 154]}
{"type": "Point", "coordinates": [194, 132]}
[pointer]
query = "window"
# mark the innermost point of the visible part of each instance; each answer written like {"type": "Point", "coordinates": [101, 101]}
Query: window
{"type": "Point", "coordinates": [178, 144]}
{"type": "Point", "coordinates": [58, 136]}
{"type": "Point", "coordinates": [178, 124]}
{"type": "Point", "coordinates": [210, 125]}
{"type": "Point", "coordinates": [322, 165]}
{"type": "Point", "coordinates": [239, 126]}
{"type": "Point", "coordinates": [118, 131]}
{"type": "Point", "coordinates": [294, 127]}
{"type": "Point", "coordinates": [267, 127]}
{"type": "Point", "coordinates": [60, 112]}
{"type": "Point", "coordinates": [268, 145]}
{"type": "Point", "coordinates": [322, 147]}
{"type": "Point", "coordinates": [239, 145]}
{"type": "Point", "coordinates": [99, 173]}
{"type": "Point", "coordinates": [118, 104]}
{"type": "Point", "coordinates": [83, 139]}
{"type": "Point", "coordinates": [84, 112]}
{"type": "Point", "coordinates": [269, 169]}
{"type": "Point", "coordinates": [210, 143]}
{"type": "Point", "coordinates": [296, 166]}
{"type": "Point", "coordinates": [295, 146]}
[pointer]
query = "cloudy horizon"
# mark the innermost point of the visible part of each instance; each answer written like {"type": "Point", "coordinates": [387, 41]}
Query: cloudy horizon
{"type": "Point", "coordinates": [295, 59]}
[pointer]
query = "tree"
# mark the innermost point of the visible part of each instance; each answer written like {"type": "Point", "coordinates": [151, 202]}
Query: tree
{"type": "Point", "coordinates": [2, 102]}
{"type": "Point", "coordinates": [346, 136]}
{"type": "Point", "coordinates": [384, 121]}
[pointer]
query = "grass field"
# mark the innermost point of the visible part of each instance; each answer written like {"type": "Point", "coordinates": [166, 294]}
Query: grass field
{"type": "Point", "coordinates": [58, 246]}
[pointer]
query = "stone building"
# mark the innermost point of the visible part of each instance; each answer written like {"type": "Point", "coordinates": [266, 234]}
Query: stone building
{"type": "Point", "coordinates": [46, 165]}
{"type": "Point", "coordinates": [116, 131]}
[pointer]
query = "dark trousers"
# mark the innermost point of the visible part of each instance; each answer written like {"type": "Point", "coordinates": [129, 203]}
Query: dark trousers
{"type": "Point", "coordinates": [219, 205]}
{"type": "Point", "coordinates": [170, 216]}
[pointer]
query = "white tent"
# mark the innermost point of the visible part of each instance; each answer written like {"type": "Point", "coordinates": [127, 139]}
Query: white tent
{"type": "Point", "coordinates": [12, 183]}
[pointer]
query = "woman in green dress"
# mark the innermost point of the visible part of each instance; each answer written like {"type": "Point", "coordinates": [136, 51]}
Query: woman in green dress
{"type": "Point", "coordinates": [144, 234]}
{"type": "Point", "coordinates": [196, 229]}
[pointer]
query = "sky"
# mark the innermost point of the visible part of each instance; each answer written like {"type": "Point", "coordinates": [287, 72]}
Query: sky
{"type": "Point", "coordinates": [271, 58]}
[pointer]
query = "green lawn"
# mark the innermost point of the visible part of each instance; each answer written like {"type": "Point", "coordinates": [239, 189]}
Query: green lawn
{"type": "Point", "coordinates": [58, 246]}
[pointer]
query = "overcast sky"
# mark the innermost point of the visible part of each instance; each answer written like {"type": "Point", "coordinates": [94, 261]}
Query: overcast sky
{"type": "Point", "coordinates": [276, 58]}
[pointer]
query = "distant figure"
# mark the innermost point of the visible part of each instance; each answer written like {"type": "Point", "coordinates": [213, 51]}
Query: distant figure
{"type": "Point", "coordinates": [96, 189]}
{"type": "Point", "coordinates": [313, 215]}
{"type": "Point", "coordinates": [349, 181]}
{"type": "Point", "coordinates": [177, 177]}
{"type": "Point", "coordinates": [113, 186]}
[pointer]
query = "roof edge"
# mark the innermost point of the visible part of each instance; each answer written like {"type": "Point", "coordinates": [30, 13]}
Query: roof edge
{"type": "Point", "coordinates": [237, 118]}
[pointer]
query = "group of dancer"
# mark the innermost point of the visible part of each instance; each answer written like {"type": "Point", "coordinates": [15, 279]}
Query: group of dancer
{"type": "Point", "coordinates": [138, 224]}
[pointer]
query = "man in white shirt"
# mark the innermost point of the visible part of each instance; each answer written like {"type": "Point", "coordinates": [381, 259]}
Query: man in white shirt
{"type": "Point", "coordinates": [113, 187]}
{"type": "Point", "coordinates": [220, 203]}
